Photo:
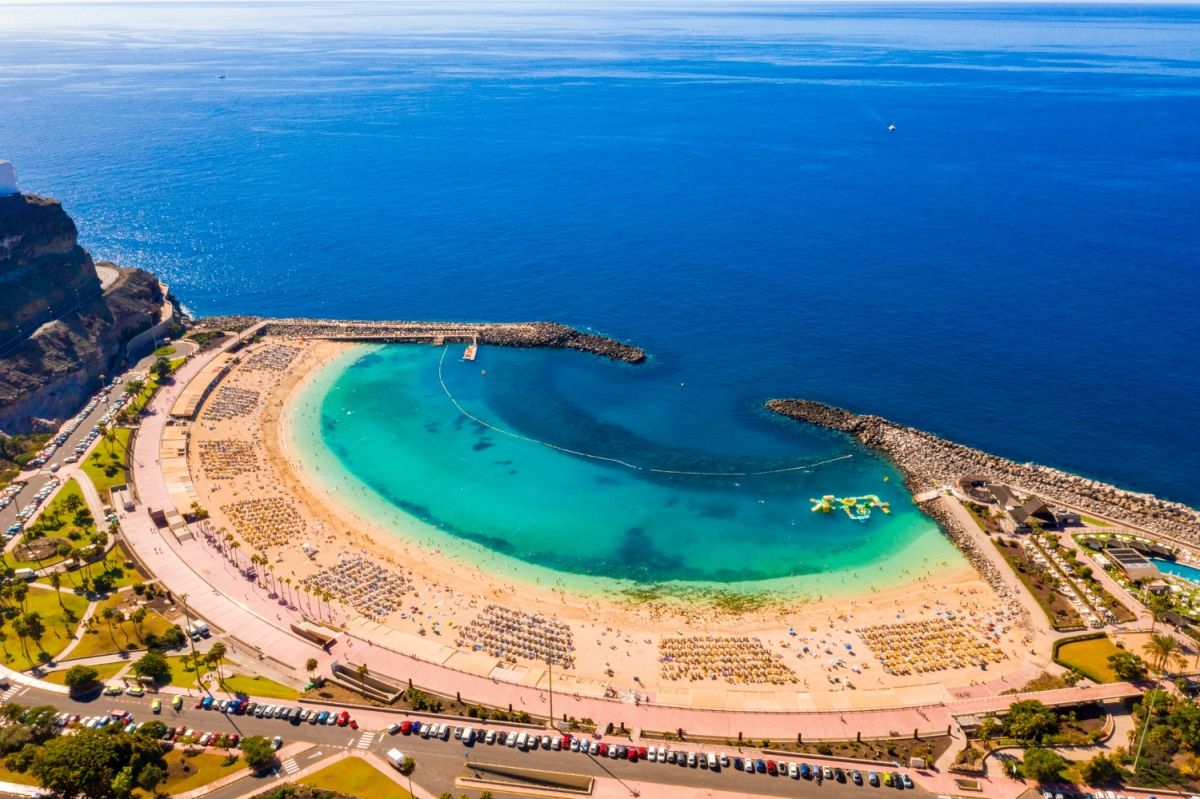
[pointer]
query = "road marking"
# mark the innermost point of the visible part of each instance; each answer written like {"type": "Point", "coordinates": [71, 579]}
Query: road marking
{"type": "Point", "coordinates": [367, 739]}
{"type": "Point", "coordinates": [12, 692]}
{"type": "Point", "coordinates": [290, 766]}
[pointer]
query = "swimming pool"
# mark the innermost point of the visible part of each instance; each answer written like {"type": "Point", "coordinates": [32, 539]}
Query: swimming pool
{"type": "Point", "coordinates": [1189, 573]}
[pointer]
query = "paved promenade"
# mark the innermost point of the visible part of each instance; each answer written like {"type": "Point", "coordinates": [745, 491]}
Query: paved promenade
{"type": "Point", "coordinates": [216, 591]}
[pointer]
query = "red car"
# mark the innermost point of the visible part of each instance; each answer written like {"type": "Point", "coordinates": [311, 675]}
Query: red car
{"type": "Point", "coordinates": [633, 754]}
{"type": "Point", "coordinates": [566, 743]}
{"type": "Point", "coordinates": [353, 724]}
{"type": "Point", "coordinates": [343, 718]}
{"type": "Point", "coordinates": [642, 752]}
{"type": "Point", "coordinates": [233, 740]}
{"type": "Point", "coordinates": [771, 769]}
{"type": "Point", "coordinates": [406, 728]}
{"type": "Point", "coordinates": [199, 704]}
{"type": "Point", "coordinates": [603, 750]}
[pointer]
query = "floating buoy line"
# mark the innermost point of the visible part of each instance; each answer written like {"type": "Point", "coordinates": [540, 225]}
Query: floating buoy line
{"type": "Point", "coordinates": [593, 456]}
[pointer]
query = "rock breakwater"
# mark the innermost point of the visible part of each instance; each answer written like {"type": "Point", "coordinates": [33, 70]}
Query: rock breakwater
{"type": "Point", "coordinates": [928, 461]}
{"type": "Point", "coordinates": [512, 334]}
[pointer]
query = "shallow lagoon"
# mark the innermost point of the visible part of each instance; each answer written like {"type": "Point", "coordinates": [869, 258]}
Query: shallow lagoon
{"type": "Point", "coordinates": [379, 425]}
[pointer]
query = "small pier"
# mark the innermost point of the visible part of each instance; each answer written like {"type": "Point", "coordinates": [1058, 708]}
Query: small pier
{"type": "Point", "coordinates": [472, 350]}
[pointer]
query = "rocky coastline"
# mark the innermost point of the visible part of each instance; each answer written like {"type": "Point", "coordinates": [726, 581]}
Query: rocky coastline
{"type": "Point", "coordinates": [511, 334]}
{"type": "Point", "coordinates": [930, 462]}
{"type": "Point", "coordinates": [60, 329]}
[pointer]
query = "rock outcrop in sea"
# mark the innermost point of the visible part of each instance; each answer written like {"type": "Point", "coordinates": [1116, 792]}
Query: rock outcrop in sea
{"type": "Point", "coordinates": [928, 462]}
{"type": "Point", "coordinates": [60, 329]}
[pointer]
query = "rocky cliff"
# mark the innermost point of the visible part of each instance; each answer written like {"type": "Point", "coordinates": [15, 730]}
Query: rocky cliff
{"type": "Point", "coordinates": [59, 329]}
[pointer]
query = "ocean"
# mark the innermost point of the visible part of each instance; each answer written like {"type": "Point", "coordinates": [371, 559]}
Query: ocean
{"type": "Point", "coordinates": [1013, 266]}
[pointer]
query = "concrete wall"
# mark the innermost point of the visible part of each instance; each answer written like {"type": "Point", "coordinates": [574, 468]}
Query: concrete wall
{"type": "Point", "coordinates": [143, 343]}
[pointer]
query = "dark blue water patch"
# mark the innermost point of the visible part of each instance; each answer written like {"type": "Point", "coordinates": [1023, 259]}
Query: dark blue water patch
{"type": "Point", "coordinates": [607, 480]}
{"type": "Point", "coordinates": [480, 446]}
{"type": "Point", "coordinates": [432, 427]}
{"type": "Point", "coordinates": [731, 198]}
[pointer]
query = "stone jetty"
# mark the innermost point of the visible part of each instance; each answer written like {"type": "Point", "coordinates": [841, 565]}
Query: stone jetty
{"type": "Point", "coordinates": [501, 334]}
{"type": "Point", "coordinates": [930, 462]}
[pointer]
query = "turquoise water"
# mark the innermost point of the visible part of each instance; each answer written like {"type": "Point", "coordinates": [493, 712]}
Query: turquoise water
{"type": "Point", "coordinates": [1177, 569]}
{"type": "Point", "coordinates": [380, 427]}
{"type": "Point", "coordinates": [1014, 267]}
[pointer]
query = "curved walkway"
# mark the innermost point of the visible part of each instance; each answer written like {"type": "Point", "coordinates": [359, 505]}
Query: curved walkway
{"type": "Point", "coordinates": [217, 591]}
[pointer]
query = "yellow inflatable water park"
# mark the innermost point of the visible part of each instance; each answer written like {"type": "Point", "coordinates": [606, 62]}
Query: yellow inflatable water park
{"type": "Point", "coordinates": [857, 508]}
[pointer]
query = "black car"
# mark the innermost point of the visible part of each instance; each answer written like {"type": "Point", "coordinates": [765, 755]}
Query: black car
{"type": "Point", "coordinates": [250, 708]}
{"type": "Point", "coordinates": [839, 775]}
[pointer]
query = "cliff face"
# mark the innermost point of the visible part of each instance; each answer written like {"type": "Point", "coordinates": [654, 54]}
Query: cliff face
{"type": "Point", "coordinates": [59, 331]}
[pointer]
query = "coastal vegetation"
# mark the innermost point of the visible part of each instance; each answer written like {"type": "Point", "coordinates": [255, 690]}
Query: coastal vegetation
{"type": "Point", "coordinates": [353, 776]}
{"type": "Point", "coordinates": [1042, 584]}
{"type": "Point", "coordinates": [16, 452]}
{"type": "Point", "coordinates": [108, 464]}
{"type": "Point", "coordinates": [106, 763]}
{"type": "Point", "coordinates": [1091, 656]}
{"type": "Point", "coordinates": [64, 528]}
{"type": "Point", "coordinates": [36, 624]}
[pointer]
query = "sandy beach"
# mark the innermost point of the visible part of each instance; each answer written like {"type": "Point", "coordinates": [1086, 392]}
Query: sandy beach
{"type": "Point", "coordinates": [450, 607]}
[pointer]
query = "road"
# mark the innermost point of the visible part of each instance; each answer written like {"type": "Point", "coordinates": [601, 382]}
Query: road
{"type": "Point", "coordinates": [438, 762]}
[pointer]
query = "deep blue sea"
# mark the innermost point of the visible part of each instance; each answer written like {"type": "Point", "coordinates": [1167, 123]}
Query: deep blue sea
{"type": "Point", "coordinates": [1014, 266]}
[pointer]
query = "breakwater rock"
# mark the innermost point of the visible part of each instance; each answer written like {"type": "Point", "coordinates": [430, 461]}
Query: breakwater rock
{"type": "Point", "coordinates": [928, 462]}
{"type": "Point", "coordinates": [503, 334]}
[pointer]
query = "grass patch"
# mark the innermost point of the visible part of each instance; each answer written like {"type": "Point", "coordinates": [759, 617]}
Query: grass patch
{"type": "Point", "coordinates": [56, 522]}
{"type": "Point", "coordinates": [183, 675]}
{"type": "Point", "coordinates": [8, 775]}
{"type": "Point", "coordinates": [108, 464]}
{"type": "Point", "coordinates": [100, 640]}
{"type": "Point", "coordinates": [354, 776]}
{"type": "Point", "coordinates": [1089, 658]}
{"type": "Point", "coordinates": [163, 352]}
{"type": "Point", "coordinates": [106, 672]}
{"type": "Point", "coordinates": [186, 772]}
{"type": "Point", "coordinates": [259, 686]}
{"type": "Point", "coordinates": [60, 622]}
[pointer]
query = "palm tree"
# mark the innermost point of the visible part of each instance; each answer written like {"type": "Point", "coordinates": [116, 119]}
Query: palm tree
{"type": "Point", "coordinates": [20, 592]}
{"type": "Point", "coordinates": [310, 666]}
{"type": "Point", "coordinates": [215, 655]}
{"type": "Point", "coordinates": [110, 615]}
{"type": "Point", "coordinates": [287, 582]}
{"type": "Point", "coordinates": [21, 628]}
{"type": "Point", "coordinates": [133, 388]}
{"type": "Point", "coordinates": [235, 546]}
{"type": "Point", "coordinates": [1163, 649]}
{"type": "Point", "coordinates": [56, 584]}
{"type": "Point", "coordinates": [1158, 604]}
{"type": "Point", "coordinates": [109, 435]}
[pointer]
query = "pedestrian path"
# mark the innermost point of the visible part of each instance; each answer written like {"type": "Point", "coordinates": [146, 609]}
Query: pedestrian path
{"type": "Point", "coordinates": [12, 692]}
{"type": "Point", "coordinates": [366, 740]}
{"type": "Point", "coordinates": [289, 766]}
